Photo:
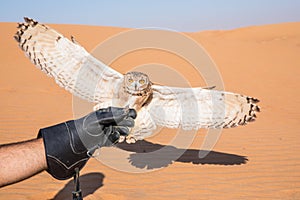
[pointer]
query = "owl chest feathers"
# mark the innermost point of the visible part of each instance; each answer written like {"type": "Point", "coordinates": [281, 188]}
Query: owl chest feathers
{"type": "Point", "coordinates": [134, 99]}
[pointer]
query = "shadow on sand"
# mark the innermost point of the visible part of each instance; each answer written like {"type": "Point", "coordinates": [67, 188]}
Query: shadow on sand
{"type": "Point", "coordinates": [89, 183]}
{"type": "Point", "coordinates": [152, 156]}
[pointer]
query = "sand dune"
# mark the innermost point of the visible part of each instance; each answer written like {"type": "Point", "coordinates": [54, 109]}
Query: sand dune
{"type": "Point", "coordinates": [258, 161]}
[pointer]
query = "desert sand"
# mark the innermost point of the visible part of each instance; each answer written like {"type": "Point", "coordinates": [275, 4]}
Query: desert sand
{"type": "Point", "coordinates": [257, 161]}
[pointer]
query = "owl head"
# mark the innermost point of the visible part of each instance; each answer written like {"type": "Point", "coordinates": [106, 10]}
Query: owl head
{"type": "Point", "coordinates": [137, 83]}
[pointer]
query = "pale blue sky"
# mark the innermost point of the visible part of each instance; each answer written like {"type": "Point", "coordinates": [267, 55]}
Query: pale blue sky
{"type": "Point", "coordinates": [189, 15]}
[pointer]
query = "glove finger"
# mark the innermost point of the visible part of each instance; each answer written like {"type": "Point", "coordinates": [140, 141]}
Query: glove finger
{"type": "Point", "coordinates": [93, 128]}
{"type": "Point", "coordinates": [116, 117]}
{"type": "Point", "coordinates": [122, 130]}
{"type": "Point", "coordinates": [109, 118]}
{"type": "Point", "coordinates": [132, 113]}
{"type": "Point", "coordinates": [111, 109]}
{"type": "Point", "coordinates": [111, 115]}
{"type": "Point", "coordinates": [119, 111]}
{"type": "Point", "coordinates": [110, 121]}
{"type": "Point", "coordinates": [126, 119]}
{"type": "Point", "coordinates": [114, 137]}
{"type": "Point", "coordinates": [127, 122]}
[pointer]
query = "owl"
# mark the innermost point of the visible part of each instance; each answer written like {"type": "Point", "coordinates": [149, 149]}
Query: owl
{"type": "Point", "coordinates": [74, 69]}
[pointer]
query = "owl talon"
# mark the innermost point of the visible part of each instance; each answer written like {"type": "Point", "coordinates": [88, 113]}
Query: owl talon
{"type": "Point", "coordinates": [130, 139]}
{"type": "Point", "coordinates": [122, 138]}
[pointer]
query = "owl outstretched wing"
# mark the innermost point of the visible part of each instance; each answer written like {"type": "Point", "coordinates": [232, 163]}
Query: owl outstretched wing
{"type": "Point", "coordinates": [195, 108]}
{"type": "Point", "coordinates": [72, 67]}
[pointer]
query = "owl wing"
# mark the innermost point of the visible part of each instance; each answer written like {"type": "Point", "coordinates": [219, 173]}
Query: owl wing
{"type": "Point", "coordinates": [72, 67]}
{"type": "Point", "coordinates": [195, 108]}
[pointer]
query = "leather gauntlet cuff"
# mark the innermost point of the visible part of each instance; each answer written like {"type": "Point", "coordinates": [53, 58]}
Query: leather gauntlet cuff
{"type": "Point", "coordinates": [64, 150]}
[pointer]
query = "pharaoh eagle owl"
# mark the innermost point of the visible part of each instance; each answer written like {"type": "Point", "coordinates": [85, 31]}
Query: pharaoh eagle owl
{"type": "Point", "coordinates": [74, 69]}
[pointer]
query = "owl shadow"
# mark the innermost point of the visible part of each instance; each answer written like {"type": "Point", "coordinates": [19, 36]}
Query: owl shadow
{"type": "Point", "coordinates": [152, 156]}
{"type": "Point", "coordinates": [89, 183]}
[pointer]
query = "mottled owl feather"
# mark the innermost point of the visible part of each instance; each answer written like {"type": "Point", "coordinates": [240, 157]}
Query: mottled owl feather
{"type": "Point", "coordinates": [72, 67]}
{"type": "Point", "coordinates": [194, 108]}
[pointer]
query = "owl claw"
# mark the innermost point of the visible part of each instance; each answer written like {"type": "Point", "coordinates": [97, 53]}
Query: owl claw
{"type": "Point", "coordinates": [130, 139]}
{"type": "Point", "coordinates": [122, 138]}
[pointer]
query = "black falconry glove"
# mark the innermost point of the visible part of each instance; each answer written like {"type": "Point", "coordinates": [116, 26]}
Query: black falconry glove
{"type": "Point", "coordinates": [69, 145]}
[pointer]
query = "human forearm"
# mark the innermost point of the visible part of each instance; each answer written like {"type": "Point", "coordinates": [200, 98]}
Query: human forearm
{"type": "Point", "coordinates": [62, 149]}
{"type": "Point", "coordinates": [19, 161]}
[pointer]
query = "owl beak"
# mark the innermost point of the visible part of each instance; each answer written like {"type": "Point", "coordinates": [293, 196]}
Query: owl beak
{"type": "Point", "coordinates": [135, 86]}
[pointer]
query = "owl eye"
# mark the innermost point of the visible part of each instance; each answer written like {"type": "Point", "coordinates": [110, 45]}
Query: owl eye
{"type": "Point", "coordinates": [141, 81]}
{"type": "Point", "coordinates": [130, 80]}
